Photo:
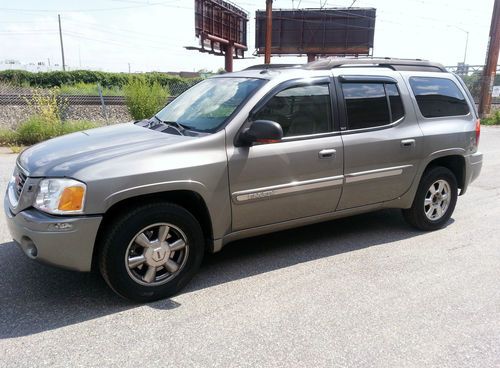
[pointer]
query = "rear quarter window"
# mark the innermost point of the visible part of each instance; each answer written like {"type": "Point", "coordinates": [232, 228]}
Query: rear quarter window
{"type": "Point", "coordinates": [438, 97]}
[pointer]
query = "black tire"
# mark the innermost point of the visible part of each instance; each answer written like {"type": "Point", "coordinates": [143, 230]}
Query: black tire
{"type": "Point", "coordinates": [416, 215]}
{"type": "Point", "coordinates": [118, 235]}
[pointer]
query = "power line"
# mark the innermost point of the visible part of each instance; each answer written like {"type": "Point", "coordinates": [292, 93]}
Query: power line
{"type": "Point", "coordinates": [165, 4]}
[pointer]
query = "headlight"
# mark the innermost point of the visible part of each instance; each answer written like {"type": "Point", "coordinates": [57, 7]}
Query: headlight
{"type": "Point", "coordinates": [60, 196]}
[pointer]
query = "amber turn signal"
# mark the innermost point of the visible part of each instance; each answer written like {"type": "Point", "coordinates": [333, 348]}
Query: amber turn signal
{"type": "Point", "coordinates": [71, 199]}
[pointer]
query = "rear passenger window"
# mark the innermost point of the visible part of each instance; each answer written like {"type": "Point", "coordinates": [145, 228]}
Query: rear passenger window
{"type": "Point", "coordinates": [371, 104]}
{"type": "Point", "coordinates": [438, 97]}
{"type": "Point", "coordinates": [395, 102]}
{"type": "Point", "coordinates": [300, 110]}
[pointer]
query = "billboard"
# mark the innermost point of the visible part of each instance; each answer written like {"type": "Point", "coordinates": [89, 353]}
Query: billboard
{"type": "Point", "coordinates": [219, 24]}
{"type": "Point", "coordinates": [333, 31]}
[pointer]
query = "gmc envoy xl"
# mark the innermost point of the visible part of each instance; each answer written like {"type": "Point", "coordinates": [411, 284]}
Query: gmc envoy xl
{"type": "Point", "coordinates": [243, 154]}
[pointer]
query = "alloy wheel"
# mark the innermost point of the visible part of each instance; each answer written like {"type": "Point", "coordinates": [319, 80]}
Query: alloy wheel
{"type": "Point", "coordinates": [437, 200]}
{"type": "Point", "coordinates": [156, 254]}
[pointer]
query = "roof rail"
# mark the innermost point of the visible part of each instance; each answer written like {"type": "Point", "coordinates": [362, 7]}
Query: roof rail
{"type": "Point", "coordinates": [386, 62]}
{"type": "Point", "coordinates": [274, 66]}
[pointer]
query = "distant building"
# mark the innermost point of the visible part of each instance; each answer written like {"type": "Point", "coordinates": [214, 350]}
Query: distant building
{"type": "Point", "coordinates": [185, 74]}
{"type": "Point", "coordinates": [496, 91]}
{"type": "Point", "coordinates": [39, 66]}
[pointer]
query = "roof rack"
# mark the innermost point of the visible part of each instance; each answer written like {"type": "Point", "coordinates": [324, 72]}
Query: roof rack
{"type": "Point", "coordinates": [274, 66]}
{"type": "Point", "coordinates": [386, 62]}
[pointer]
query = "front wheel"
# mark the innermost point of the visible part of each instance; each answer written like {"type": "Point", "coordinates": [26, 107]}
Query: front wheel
{"type": "Point", "coordinates": [435, 200]}
{"type": "Point", "coordinates": [151, 252]}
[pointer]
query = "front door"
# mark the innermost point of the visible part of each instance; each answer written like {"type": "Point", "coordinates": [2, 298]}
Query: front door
{"type": "Point", "coordinates": [301, 175]}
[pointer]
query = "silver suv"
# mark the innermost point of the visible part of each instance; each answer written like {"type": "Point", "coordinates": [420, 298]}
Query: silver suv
{"type": "Point", "coordinates": [244, 154]}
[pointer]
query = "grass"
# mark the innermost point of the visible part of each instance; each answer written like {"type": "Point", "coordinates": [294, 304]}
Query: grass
{"type": "Point", "coordinates": [493, 119]}
{"type": "Point", "coordinates": [37, 129]}
{"type": "Point", "coordinates": [7, 137]}
{"type": "Point", "coordinates": [16, 149]}
{"type": "Point", "coordinates": [44, 124]}
{"type": "Point", "coordinates": [88, 89]}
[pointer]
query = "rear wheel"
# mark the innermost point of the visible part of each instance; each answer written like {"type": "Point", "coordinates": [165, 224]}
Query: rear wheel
{"type": "Point", "coordinates": [151, 252]}
{"type": "Point", "coordinates": [435, 200]}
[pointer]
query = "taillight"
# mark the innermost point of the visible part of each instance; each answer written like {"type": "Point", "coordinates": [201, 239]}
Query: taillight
{"type": "Point", "coordinates": [478, 131]}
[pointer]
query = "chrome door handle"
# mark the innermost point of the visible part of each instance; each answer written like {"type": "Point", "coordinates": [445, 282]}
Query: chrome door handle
{"type": "Point", "coordinates": [327, 153]}
{"type": "Point", "coordinates": [408, 143]}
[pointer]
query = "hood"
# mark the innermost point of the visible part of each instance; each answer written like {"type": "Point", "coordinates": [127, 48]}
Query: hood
{"type": "Point", "coordinates": [65, 155]}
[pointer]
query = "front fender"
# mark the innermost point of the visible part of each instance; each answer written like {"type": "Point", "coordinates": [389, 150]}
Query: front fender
{"type": "Point", "coordinates": [168, 186]}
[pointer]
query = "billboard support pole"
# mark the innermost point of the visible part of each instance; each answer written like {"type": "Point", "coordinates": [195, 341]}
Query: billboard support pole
{"type": "Point", "coordinates": [489, 71]}
{"type": "Point", "coordinates": [228, 55]}
{"type": "Point", "coordinates": [269, 30]}
{"type": "Point", "coordinates": [311, 58]}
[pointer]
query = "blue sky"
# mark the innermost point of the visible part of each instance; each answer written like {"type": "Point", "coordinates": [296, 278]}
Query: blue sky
{"type": "Point", "coordinates": [151, 34]}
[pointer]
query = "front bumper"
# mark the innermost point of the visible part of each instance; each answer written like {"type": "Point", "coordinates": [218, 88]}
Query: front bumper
{"type": "Point", "coordinates": [66, 242]}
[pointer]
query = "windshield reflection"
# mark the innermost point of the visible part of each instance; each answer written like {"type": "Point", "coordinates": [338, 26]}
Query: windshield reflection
{"type": "Point", "coordinates": [207, 105]}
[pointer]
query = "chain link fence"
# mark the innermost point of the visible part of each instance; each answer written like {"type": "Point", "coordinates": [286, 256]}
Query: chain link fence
{"type": "Point", "coordinates": [90, 102]}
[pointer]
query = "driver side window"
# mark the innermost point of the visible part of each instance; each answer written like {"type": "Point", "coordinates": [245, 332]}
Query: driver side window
{"type": "Point", "coordinates": [301, 110]}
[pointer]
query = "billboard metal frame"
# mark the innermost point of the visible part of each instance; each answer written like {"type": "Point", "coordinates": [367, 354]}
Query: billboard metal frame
{"type": "Point", "coordinates": [327, 31]}
{"type": "Point", "coordinates": [221, 27]}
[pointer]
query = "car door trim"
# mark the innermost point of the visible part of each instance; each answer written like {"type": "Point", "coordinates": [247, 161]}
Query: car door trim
{"type": "Point", "coordinates": [279, 190]}
{"type": "Point", "coordinates": [375, 174]}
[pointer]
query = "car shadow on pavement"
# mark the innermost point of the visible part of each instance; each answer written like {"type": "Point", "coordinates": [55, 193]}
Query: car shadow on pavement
{"type": "Point", "coordinates": [36, 298]}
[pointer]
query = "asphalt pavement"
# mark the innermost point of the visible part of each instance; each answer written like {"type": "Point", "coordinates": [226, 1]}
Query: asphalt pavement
{"type": "Point", "coordinates": [366, 291]}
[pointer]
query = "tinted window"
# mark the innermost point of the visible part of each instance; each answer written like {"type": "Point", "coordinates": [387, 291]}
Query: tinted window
{"type": "Point", "coordinates": [397, 110]}
{"type": "Point", "coordinates": [366, 105]}
{"type": "Point", "coordinates": [299, 110]}
{"type": "Point", "coordinates": [438, 97]}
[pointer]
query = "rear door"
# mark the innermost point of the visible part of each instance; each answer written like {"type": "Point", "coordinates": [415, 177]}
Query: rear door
{"type": "Point", "coordinates": [382, 139]}
{"type": "Point", "coordinates": [298, 177]}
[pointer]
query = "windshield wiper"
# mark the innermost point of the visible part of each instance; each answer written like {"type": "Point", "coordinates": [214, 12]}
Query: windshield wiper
{"type": "Point", "coordinates": [173, 124]}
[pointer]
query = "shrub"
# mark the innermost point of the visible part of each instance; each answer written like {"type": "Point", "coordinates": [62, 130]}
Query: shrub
{"type": "Point", "coordinates": [8, 137]}
{"type": "Point", "coordinates": [46, 123]}
{"type": "Point", "coordinates": [493, 119]}
{"type": "Point", "coordinates": [46, 104]}
{"type": "Point", "coordinates": [144, 99]}
{"type": "Point", "coordinates": [72, 126]}
{"type": "Point", "coordinates": [110, 80]}
{"type": "Point", "coordinates": [37, 129]}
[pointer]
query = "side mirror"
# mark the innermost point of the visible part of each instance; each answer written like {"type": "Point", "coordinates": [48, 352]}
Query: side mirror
{"type": "Point", "coordinates": [261, 131]}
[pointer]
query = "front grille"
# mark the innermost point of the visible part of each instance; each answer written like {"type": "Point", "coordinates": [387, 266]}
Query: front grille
{"type": "Point", "coordinates": [20, 179]}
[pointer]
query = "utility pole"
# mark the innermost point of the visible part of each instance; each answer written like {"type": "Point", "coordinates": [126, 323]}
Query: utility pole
{"type": "Point", "coordinates": [269, 31]}
{"type": "Point", "coordinates": [466, 45]}
{"type": "Point", "coordinates": [62, 47]}
{"type": "Point", "coordinates": [489, 71]}
{"type": "Point", "coordinates": [79, 57]}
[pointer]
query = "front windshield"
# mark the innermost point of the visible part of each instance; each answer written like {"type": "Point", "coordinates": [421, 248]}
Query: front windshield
{"type": "Point", "coordinates": [207, 105]}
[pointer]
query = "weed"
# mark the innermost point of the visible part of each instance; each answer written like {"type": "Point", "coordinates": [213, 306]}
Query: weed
{"type": "Point", "coordinates": [144, 99]}
{"type": "Point", "coordinates": [493, 119]}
